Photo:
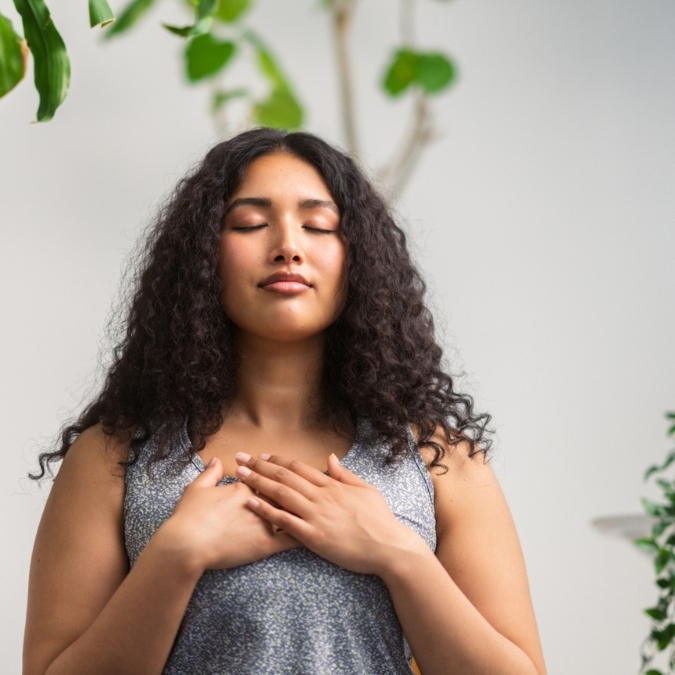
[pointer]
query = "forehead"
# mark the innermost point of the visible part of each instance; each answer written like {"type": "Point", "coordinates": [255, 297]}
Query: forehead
{"type": "Point", "coordinates": [282, 174]}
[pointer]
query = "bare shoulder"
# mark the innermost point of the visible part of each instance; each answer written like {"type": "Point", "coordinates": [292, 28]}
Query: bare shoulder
{"type": "Point", "coordinates": [79, 558]}
{"type": "Point", "coordinates": [467, 476]}
{"type": "Point", "coordinates": [478, 545]}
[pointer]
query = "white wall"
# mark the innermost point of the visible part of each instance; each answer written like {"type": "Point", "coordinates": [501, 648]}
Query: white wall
{"type": "Point", "coordinates": [543, 220]}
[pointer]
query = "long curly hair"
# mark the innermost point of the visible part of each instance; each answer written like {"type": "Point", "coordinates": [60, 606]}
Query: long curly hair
{"type": "Point", "coordinates": [175, 359]}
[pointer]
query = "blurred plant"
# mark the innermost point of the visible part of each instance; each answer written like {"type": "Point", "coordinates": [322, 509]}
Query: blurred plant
{"type": "Point", "coordinates": [216, 36]}
{"type": "Point", "coordinates": [661, 544]}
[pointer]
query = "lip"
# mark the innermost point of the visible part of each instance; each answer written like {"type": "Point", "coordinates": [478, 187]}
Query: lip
{"type": "Point", "coordinates": [285, 282]}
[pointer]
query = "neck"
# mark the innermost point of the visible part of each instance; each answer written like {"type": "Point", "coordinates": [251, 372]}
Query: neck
{"type": "Point", "coordinates": [278, 383]}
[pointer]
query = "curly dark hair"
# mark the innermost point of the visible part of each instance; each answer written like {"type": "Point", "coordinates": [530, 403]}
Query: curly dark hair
{"type": "Point", "coordinates": [175, 360]}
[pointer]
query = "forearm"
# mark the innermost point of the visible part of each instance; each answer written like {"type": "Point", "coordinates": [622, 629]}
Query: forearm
{"type": "Point", "coordinates": [445, 631]}
{"type": "Point", "coordinates": [135, 631]}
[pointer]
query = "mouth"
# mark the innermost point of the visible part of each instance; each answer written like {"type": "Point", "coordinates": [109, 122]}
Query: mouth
{"type": "Point", "coordinates": [285, 282]}
{"type": "Point", "coordinates": [285, 287]}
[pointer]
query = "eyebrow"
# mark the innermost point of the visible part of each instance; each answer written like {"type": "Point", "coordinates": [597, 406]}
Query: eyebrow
{"type": "Point", "coordinates": [267, 203]}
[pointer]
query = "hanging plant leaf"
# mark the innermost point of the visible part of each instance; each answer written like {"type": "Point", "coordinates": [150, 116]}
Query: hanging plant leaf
{"type": "Point", "coordinates": [200, 28]}
{"type": "Point", "coordinates": [402, 72]}
{"type": "Point", "coordinates": [52, 66]}
{"type": "Point", "coordinates": [280, 110]}
{"type": "Point", "coordinates": [100, 13]}
{"type": "Point", "coordinates": [230, 10]}
{"type": "Point", "coordinates": [206, 8]}
{"type": "Point", "coordinates": [220, 98]}
{"type": "Point", "coordinates": [435, 72]}
{"type": "Point", "coordinates": [129, 17]}
{"type": "Point", "coordinates": [205, 56]}
{"type": "Point", "coordinates": [12, 59]}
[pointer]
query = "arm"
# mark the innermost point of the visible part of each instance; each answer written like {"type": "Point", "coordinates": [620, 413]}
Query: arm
{"type": "Point", "coordinates": [467, 609]}
{"type": "Point", "coordinates": [87, 613]}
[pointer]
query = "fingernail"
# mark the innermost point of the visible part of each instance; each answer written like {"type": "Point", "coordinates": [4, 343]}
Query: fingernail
{"type": "Point", "coordinates": [243, 471]}
{"type": "Point", "coordinates": [211, 463]}
{"type": "Point", "coordinates": [334, 456]}
{"type": "Point", "coordinates": [264, 456]}
{"type": "Point", "coordinates": [242, 457]}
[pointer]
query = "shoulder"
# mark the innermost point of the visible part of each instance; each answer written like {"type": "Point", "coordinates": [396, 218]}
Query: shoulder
{"type": "Point", "coordinates": [469, 478]}
{"type": "Point", "coordinates": [92, 464]}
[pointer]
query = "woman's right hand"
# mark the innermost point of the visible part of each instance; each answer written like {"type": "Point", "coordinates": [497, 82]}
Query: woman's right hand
{"type": "Point", "coordinates": [217, 529]}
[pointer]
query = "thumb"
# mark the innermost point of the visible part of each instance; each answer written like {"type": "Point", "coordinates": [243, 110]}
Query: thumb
{"type": "Point", "coordinates": [343, 474]}
{"type": "Point", "coordinates": [211, 475]}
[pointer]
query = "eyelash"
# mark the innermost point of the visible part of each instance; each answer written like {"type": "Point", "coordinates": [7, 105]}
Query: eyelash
{"type": "Point", "coordinates": [257, 227]}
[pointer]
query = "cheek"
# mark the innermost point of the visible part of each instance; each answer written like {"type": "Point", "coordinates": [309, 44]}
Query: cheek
{"type": "Point", "coordinates": [236, 259]}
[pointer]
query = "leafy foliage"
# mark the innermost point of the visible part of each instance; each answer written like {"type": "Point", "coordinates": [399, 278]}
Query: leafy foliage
{"type": "Point", "coordinates": [432, 71]}
{"type": "Point", "coordinates": [12, 67]}
{"type": "Point", "coordinates": [205, 56]}
{"type": "Point", "coordinates": [52, 66]}
{"type": "Point", "coordinates": [100, 13]}
{"type": "Point", "coordinates": [661, 544]}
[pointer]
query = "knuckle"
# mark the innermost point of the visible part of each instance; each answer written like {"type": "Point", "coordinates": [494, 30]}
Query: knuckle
{"type": "Point", "coordinates": [295, 464]}
{"type": "Point", "coordinates": [281, 473]}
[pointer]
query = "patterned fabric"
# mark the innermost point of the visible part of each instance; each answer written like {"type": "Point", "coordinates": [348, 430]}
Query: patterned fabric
{"type": "Point", "coordinates": [293, 612]}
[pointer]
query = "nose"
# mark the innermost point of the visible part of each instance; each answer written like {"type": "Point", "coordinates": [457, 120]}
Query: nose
{"type": "Point", "coordinates": [286, 244]}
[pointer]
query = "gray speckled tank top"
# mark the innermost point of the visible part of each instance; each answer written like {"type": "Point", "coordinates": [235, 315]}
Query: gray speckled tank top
{"type": "Point", "coordinates": [293, 612]}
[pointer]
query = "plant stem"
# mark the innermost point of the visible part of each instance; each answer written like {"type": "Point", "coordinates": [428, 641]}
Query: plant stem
{"type": "Point", "coordinates": [343, 11]}
{"type": "Point", "coordinates": [395, 174]}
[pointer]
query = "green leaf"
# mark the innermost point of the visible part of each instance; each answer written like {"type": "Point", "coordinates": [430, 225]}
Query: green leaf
{"type": "Point", "coordinates": [656, 614]}
{"type": "Point", "coordinates": [647, 544]}
{"type": "Point", "coordinates": [663, 583]}
{"type": "Point", "coordinates": [200, 28]}
{"type": "Point", "coordinates": [435, 72]}
{"type": "Point", "coordinates": [266, 62]}
{"type": "Point", "coordinates": [658, 529]}
{"type": "Point", "coordinates": [52, 66]}
{"type": "Point", "coordinates": [206, 8]}
{"type": "Point", "coordinates": [653, 671]}
{"type": "Point", "coordinates": [220, 98]}
{"type": "Point", "coordinates": [280, 110]}
{"type": "Point", "coordinates": [402, 72]}
{"type": "Point", "coordinates": [663, 557]}
{"type": "Point", "coordinates": [656, 468]}
{"type": "Point", "coordinates": [231, 10]}
{"type": "Point", "coordinates": [130, 15]}
{"type": "Point", "coordinates": [651, 509]}
{"type": "Point", "coordinates": [100, 13]}
{"type": "Point", "coordinates": [205, 56]}
{"type": "Point", "coordinates": [12, 64]}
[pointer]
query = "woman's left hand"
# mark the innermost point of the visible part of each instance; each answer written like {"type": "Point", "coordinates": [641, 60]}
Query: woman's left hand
{"type": "Point", "coordinates": [340, 517]}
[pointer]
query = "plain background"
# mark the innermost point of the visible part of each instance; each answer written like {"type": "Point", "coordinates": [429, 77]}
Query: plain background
{"type": "Point", "coordinates": [542, 219]}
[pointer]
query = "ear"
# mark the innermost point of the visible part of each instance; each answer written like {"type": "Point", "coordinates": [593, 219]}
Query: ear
{"type": "Point", "coordinates": [343, 474]}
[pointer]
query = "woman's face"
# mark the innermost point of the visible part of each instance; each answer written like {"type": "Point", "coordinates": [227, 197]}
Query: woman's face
{"type": "Point", "coordinates": [282, 221]}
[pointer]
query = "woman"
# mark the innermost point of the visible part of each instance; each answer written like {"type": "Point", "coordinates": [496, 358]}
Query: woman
{"type": "Point", "coordinates": [279, 409]}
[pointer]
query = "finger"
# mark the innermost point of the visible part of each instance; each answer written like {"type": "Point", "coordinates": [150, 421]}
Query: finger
{"type": "Point", "coordinates": [288, 523]}
{"type": "Point", "coordinates": [339, 472]}
{"type": "Point", "coordinates": [286, 472]}
{"type": "Point", "coordinates": [277, 486]}
{"type": "Point", "coordinates": [211, 475]}
{"type": "Point", "coordinates": [309, 473]}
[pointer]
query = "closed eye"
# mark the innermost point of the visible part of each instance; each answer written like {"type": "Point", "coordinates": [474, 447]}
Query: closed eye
{"type": "Point", "coordinates": [250, 228]}
{"type": "Point", "coordinates": [316, 229]}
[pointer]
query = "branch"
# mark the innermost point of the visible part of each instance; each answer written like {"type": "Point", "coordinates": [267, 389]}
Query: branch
{"type": "Point", "coordinates": [343, 11]}
{"type": "Point", "coordinates": [394, 175]}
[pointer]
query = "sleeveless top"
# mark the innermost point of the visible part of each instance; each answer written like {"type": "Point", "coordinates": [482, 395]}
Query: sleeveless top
{"type": "Point", "coordinates": [293, 612]}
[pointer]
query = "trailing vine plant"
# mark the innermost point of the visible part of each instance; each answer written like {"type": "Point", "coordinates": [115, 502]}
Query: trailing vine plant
{"type": "Point", "coordinates": [217, 33]}
{"type": "Point", "coordinates": [661, 544]}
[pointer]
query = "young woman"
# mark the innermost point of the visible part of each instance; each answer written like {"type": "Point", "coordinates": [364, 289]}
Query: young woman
{"type": "Point", "coordinates": [258, 488]}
